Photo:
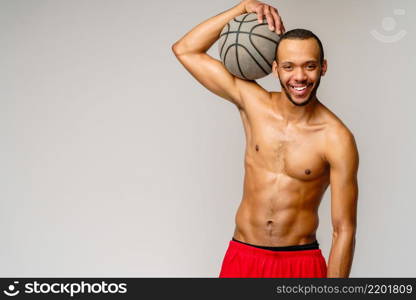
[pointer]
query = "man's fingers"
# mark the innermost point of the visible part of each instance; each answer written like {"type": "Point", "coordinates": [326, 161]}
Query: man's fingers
{"type": "Point", "coordinates": [278, 21]}
{"type": "Point", "coordinates": [259, 12]}
{"type": "Point", "coordinates": [269, 17]}
{"type": "Point", "coordinates": [272, 17]}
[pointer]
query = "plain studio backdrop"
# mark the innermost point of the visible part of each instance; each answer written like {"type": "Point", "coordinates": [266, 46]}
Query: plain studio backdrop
{"type": "Point", "coordinates": [116, 162]}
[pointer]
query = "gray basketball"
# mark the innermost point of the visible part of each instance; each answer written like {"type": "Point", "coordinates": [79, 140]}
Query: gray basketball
{"type": "Point", "coordinates": [247, 48]}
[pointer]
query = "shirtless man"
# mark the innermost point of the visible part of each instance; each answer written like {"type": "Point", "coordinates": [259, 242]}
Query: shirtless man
{"type": "Point", "coordinates": [296, 147]}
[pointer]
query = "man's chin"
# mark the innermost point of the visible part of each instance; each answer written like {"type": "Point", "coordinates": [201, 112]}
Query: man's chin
{"type": "Point", "coordinates": [300, 101]}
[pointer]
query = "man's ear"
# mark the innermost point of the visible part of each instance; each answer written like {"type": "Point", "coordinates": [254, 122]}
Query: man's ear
{"type": "Point", "coordinates": [274, 69]}
{"type": "Point", "coordinates": [324, 67]}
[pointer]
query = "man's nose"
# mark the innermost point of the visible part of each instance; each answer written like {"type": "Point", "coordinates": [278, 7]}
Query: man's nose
{"type": "Point", "coordinates": [299, 74]}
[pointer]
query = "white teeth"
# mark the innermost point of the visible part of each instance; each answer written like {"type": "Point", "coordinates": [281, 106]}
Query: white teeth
{"type": "Point", "coordinates": [300, 88]}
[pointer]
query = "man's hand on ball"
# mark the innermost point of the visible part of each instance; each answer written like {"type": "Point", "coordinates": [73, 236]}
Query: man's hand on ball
{"type": "Point", "coordinates": [271, 13]}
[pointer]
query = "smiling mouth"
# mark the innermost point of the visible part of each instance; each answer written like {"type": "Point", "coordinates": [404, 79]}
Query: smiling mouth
{"type": "Point", "coordinates": [300, 90]}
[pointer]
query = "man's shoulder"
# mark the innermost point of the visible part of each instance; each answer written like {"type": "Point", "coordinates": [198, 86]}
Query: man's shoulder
{"type": "Point", "coordinates": [250, 88]}
{"type": "Point", "coordinates": [339, 139]}
{"type": "Point", "coordinates": [335, 128]}
{"type": "Point", "coordinates": [254, 96]}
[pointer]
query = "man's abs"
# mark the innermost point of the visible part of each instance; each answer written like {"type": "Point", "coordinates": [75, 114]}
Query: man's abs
{"type": "Point", "coordinates": [283, 213]}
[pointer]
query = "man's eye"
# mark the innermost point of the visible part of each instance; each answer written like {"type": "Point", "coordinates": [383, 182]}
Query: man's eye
{"type": "Point", "coordinates": [311, 67]}
{"type": "Point", "coordinates": [287, 67]}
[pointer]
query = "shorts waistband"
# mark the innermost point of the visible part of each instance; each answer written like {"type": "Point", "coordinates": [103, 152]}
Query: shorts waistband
{"type": "Point", "coordinates": [312, 246]}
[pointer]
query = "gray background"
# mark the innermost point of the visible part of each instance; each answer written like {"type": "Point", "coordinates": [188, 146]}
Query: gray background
{"type": "Point", "coordinates": [116, 162]}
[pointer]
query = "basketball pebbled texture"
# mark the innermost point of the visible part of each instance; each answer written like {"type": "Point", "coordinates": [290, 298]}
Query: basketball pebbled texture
{"type": "Point", "coordinates": [247, 49]}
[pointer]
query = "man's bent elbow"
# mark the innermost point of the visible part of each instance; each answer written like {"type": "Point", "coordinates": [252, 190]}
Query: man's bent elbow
{"type": "Point", "coordinates": [180, 49]}
{"type": "Point", "coordinates": [344, 231]}
{"type": "Point", "coordinates": [175, 48]}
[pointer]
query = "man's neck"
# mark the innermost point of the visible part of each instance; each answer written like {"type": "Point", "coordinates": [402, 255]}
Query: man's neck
{"type": "Point", "coordinates": [291, 113]}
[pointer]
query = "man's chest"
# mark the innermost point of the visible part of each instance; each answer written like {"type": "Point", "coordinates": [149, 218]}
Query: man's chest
{"type": "Point", "coordinates": [298, 152]}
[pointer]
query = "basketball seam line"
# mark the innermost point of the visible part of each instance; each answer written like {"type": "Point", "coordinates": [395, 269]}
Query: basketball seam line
{"type": "Point", "coordinates": [246, 15]}
{"type": "Point", "coordinates": [236, 48]}
{"type": "Point", "coordinates": [251, 41]}
{"type": "Point", "coordinates": [226, 37]}
{"type": "Point", "coordinates": [254, 59]}
{"type": "Point", "coordinates": [252, 33]}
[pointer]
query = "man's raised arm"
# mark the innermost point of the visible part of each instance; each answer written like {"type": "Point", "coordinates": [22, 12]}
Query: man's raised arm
{"type": "Point", "coordinates": [211, 73]}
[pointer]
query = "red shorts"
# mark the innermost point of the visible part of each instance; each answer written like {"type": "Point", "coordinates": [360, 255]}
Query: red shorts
{"type": "Point", "coordinates": [243, 260]}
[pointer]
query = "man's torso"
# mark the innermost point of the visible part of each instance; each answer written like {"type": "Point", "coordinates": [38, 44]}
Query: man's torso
{"type": "Point", "coordinates": [286, 174]}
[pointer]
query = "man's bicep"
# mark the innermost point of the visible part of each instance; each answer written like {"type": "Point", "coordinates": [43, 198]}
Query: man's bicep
{"type": "Point", "coordinates": [344, 194]}
{"type": "Point", "coordinates": [343, 160]}
{"type": "Point", "coordinates": [212, 74]}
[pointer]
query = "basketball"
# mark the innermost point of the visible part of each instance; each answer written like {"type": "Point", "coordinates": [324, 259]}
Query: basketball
{"type": "Point", "coordinates": [247, 49]}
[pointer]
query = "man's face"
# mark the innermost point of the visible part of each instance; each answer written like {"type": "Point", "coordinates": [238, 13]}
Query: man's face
{"type": "Point", "coordinates": [298, 69]}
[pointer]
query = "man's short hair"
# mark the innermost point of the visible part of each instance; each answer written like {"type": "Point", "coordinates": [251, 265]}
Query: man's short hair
{"type": "Point", "coordinates": [301, 34]}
